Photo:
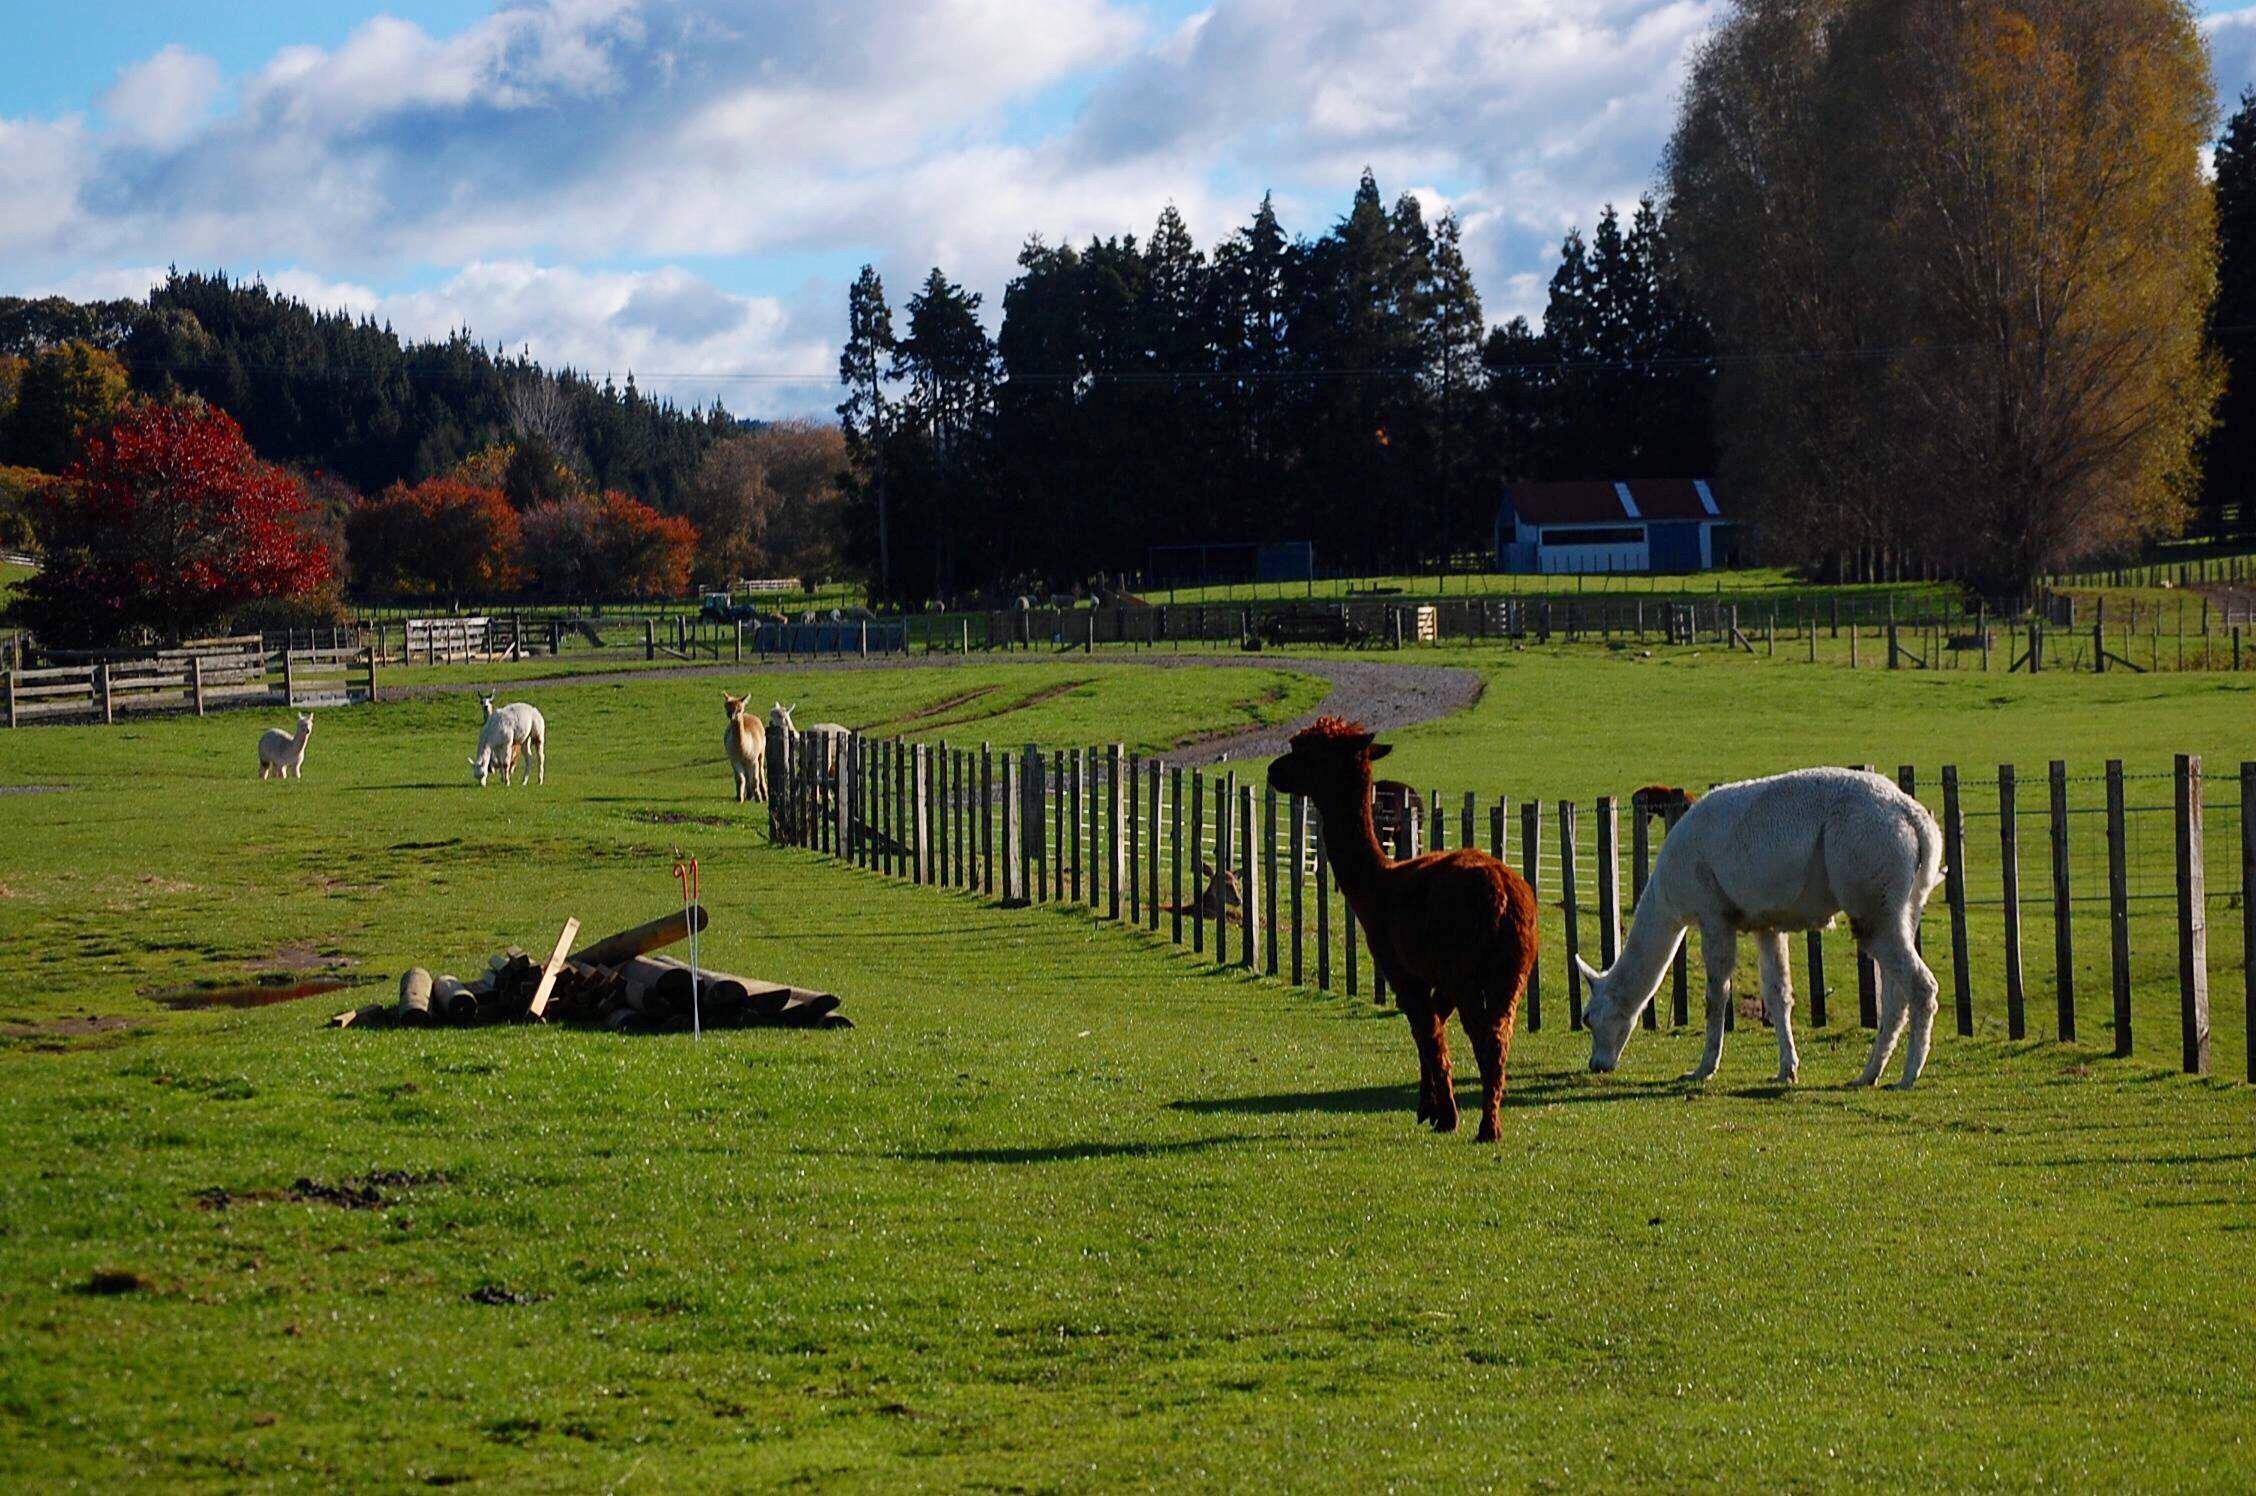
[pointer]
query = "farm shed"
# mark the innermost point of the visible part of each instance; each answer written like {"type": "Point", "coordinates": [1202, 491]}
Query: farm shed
{"type": "Point", "coordinates": [1644, 524]}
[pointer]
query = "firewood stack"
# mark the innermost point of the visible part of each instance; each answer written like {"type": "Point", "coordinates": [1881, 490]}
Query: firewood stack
{"type": "Point", "coordinates": [616, 984]}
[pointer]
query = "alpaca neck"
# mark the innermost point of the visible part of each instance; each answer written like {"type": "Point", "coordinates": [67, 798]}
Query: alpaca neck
{"type": "Point", "coordinates": [1654, 935]}
{"type": "Point", "coordinates": [1351, 845]}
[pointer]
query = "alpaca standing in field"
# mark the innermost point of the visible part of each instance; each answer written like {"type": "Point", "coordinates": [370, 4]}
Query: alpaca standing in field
{"type": "Point", "coordinates": [511, 733]}
{"type": "Point", "coordinates": [1769, 857]}
{"type": "Point", "coordinates": [1451, 930]}
{"type": "Point", "coordinates": [830, 736]}
{"type": "Point", "coordinates": [281, 754]}
{"type": "Point", "coordinates": [747, 744]}
{"type": "Point", "coordinates": [1660, 801]}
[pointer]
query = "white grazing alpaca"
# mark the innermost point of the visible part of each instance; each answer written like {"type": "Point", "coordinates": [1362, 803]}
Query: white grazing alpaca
{"type": "Point", "coordinates": [830, 735]}
{"type": "Point", "coordinates": [282, 755]}
{"type": "Point", "coordinates": [747, 744]}
{"type": "Point", "coordinates": [513, 731]}
{"type": "Point", "coordinates": [1772, 856]}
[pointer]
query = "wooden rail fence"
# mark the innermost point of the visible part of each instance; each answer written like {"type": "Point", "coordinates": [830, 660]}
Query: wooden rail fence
{"type": "Point", "coordinates": [2138, 865]}
{"type": "Point", "coordinates": [190, 679]}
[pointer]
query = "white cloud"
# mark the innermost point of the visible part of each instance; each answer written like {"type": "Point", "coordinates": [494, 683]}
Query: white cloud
{"type": "Point", "coordinates": [160, 102]}
{"type": "Point", "coordinates": [2232, 49]}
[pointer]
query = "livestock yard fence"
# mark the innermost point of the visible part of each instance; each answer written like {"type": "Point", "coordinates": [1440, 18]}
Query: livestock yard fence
{"type": "Point", "coordinates": [2063, 633]}
{"type": "Point", "coordinates": [195, 677]}
{"type": "Point", "coordinates": [2127, 872]}
{"type": "Point", "coordinates": [446, 640]}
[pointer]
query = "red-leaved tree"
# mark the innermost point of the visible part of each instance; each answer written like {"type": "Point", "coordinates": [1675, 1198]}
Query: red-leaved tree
{"type": "Point", "coordinates": [166, 524]}
{"type": "Point", "coordinates": [444, 537]}
{"type": "Point", "coordinates": [644, 553]}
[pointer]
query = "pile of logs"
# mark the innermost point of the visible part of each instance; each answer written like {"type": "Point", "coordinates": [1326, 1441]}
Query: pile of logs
{"type": "Point", "coordinates": [616, 983]}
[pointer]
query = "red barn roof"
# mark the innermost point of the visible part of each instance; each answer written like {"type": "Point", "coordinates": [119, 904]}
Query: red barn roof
{"type": "Point", "coordinates": [1596, 502]}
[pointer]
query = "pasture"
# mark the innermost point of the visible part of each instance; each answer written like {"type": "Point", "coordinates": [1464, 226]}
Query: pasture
{"type": "Point", "coordinates": [1066, 1208]}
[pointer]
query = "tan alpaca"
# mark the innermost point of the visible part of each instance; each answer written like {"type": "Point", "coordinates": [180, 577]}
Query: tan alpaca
{"type": "Point", "coordinates": [747, 743]}
{"type": "Point", "coordinates": [1220, 894]}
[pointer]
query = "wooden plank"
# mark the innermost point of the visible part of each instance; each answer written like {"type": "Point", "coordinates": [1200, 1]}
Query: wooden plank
{"type": "Point", "coordinates": [2009, 849]}
{"type": "Point", "coordinates": [538, 1007]}
{"type": "Point", "coordinates": [2193, 921]}
{"type": "Point", "coordinates": [1954, 885]}
{"type": "Point", "coordinates": [2063, 942]}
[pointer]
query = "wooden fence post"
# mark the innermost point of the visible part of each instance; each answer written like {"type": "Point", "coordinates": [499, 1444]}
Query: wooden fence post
{"type": "Point", "coordinates": [1249, 878]}
{"type": "Point", "coordinates": [1074, 773]}
{"type": "Point", "coordinates": [1531, 848]}
{"type": "Point", "coordinates": [1198, 887]}
{"type": "Point", "coordinates": [1151, 851]}
{"type": "Point", "coordinates": [109, 709]}
{"type": "Point", "coordinates": [2009, 849]}
{"type": "Point", "coordinates": [195, 686]}
{"type": "Point", "coordinates": [1297, 851]}
{"type": "Point", "coordinates": [2193, 921]}
{"type": "Point", "coordinates": [1813, 953]}
{"type": "Point", "coordinates": [1609, 890]}
{"type": "Point", "coordinates": [1954, 884]}
{"type": "Point", "coordinates": [2248, 909]}
{"type": "Point", "coordinates": [1061, 762]}
{"type": "Point", "coordinates": [1175, 855]}
{"type": "Point", "coordinates": [987, 819]}
{"type": "Point", "coordinates": [2119, 907]}
{"type": "Point", "coordinates": [1132, 838]}
{"type": "Point", "coordinates": [1269, 878]}
{"type": "Point", "coordinates": [2063, 942]}
{"type": "Point", "coordinates": [1567, 904]}
{"type": "Point", "coordinates": [1225, 794]}
{"type": "Point", "coordinates": [1114, 868]}
{"type": "Point", "coordinates": [920, 871]}
{"type": "Point", "coordinates": [1034, 784]}
{"type": "Point", "coordinates": [1014, 848]}
{"type": "Point", "coordinates": [1323, 908]}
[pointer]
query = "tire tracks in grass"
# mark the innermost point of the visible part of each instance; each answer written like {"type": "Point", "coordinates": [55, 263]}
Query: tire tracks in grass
{"type": "Point", "coordinates": [1383, 695]}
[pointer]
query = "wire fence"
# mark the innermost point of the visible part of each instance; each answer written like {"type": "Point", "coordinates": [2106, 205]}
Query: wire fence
{"type": "Point", "coordinates": [2077, 906]}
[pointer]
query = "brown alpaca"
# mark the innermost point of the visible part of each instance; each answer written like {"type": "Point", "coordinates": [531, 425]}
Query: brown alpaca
{"type": "Point", "coordinates": [1221, 893]}
{"type": "Point", "coordinates": [1453, 931]}
{"type": "Point", "coordinates": [1662, 800]}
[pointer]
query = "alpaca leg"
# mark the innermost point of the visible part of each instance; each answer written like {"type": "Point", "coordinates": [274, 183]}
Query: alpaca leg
{"type": "Point", "coordinates": [1778, 1000]}
{"type": "Point", "coordinates": [1895, 995]}
{"type": "Point", "coordinates": [540, 756]}
{"type": "Point", "coordinates": [1418, 1038]}
{"type": "Point", "coordinates": [1909, 976]}
{"type": "Point", "coordinates": [1720, 946]}
{"type": "Point", "coordinates": [1487, 1035]}
{"type": "Point", "coordinates": [1445, 1088]}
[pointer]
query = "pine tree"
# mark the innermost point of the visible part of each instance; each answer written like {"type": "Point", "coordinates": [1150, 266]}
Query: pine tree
{"type": "Point", "coordinates": [865, 414]}
{"type": "Point", "coordinates": [2229, 455]}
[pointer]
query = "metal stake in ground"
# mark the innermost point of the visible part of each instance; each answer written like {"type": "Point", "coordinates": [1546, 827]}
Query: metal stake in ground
{"type": "Point", "coordinates": [685, 873]}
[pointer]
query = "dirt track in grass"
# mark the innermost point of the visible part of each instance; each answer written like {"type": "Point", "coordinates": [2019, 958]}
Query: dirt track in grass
{"type": "Point", "coordinates": [1383, 695]}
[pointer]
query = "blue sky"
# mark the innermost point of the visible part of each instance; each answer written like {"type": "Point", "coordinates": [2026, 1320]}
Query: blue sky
{"type": "Point", "coordinates": [684, 187]}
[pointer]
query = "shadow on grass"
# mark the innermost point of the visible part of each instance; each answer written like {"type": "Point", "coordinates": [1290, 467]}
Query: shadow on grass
{"type": "Point", "coordinates": [1539, 1091]}
{"type": "Point", "coordinates": [1062, 1153]}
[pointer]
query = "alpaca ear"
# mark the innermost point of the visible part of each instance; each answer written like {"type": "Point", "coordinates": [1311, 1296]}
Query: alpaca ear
{"type": "Point", "coordinates": [1590, 974]}
{"type": "Point", "coordinates": [1379, 751]}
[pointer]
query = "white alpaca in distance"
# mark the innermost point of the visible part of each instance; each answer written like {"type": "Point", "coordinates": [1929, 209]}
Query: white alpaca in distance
{"type": "Point", "coordinates": [1769, 857]}
{"type": "Point", "coordinates": [513, 732]}
{"type": "Point", "coordinates": [281, 754]}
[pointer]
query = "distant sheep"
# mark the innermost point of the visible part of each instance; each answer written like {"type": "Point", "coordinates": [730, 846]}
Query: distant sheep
{"type": "Point", "coordinates": [282, 754]}
{"type": "Point", "coordinates": [513, 732]}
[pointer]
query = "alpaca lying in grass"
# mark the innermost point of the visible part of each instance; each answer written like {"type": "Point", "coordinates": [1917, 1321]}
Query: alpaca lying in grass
{"type": "Point", "coordinates": [1769, 857]}
{"type": "Point", "coordinates": [1220, 895]}
{"type": "Point", "coordinates": [513, 733]}
{"type": "Point", "coordinates": [1453, 931]}
{"type": "Point", "coordinates": [281, 754]}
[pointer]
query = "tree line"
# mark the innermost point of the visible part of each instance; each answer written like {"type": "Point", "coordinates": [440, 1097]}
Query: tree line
{"type": "Point", "coordinates": [1343, 390]}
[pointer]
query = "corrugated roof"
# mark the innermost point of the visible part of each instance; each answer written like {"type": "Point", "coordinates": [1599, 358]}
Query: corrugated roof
{"type": "Point", "coordinates": [1600, 502]}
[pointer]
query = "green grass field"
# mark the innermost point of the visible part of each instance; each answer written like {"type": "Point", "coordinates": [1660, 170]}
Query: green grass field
{"type": "Point", "coordinates": [1066, 1208]}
